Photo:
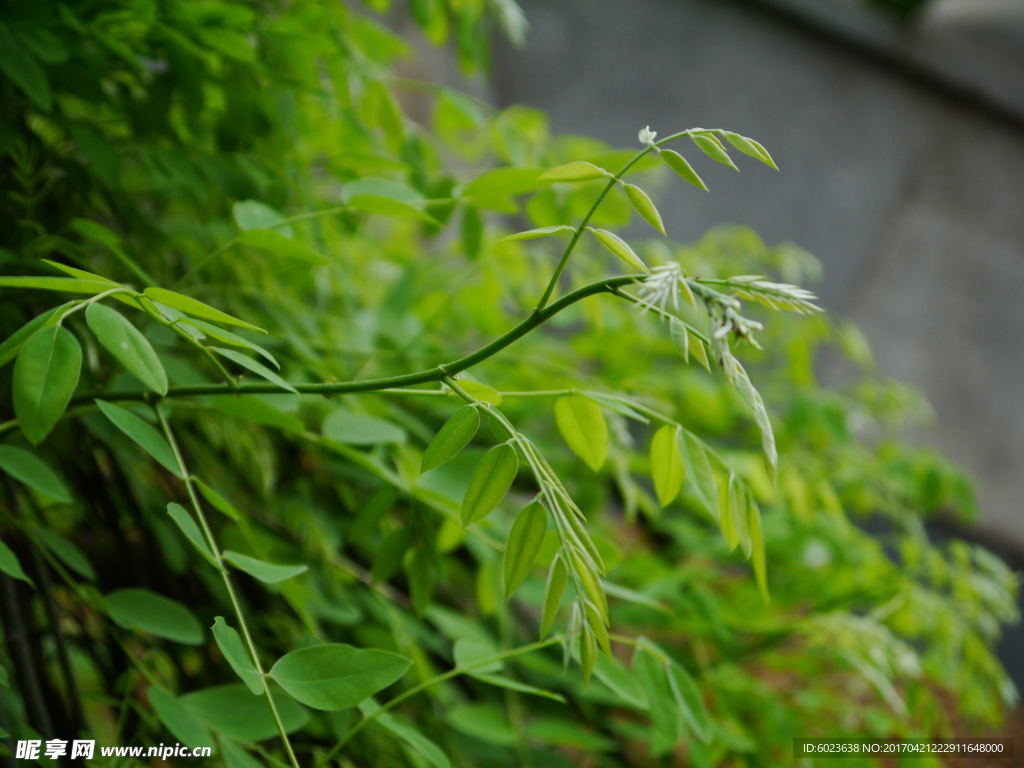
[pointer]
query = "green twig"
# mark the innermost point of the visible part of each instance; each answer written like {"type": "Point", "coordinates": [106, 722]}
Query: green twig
{"type": "Point", "coordinates": [219, 560]}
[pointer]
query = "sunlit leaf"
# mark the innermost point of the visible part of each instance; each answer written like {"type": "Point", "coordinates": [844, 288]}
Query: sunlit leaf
{"type": "Point", "coordinates": [523, 545]}
{"type": "Point", "coordinates": [582, 425]}
{"type": "Point", "coordinates": [491, 480]}
{"type": "Point", "coordinates": [453, 436]}
{"type": "Point", "coordinates": [678, 163]}
{"type": "Point", "coordinates": [620, 248]}
{"type": "Point", "coordinates": [575, 171]}
{"type": "Point", "coordinates": [666, 464]}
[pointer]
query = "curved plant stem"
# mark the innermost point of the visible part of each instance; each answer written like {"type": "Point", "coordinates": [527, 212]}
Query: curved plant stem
{"type": "Point", "coordinates": [426, 684]}
{"type": "Point", "coordinates": [615, 179]}
{"type": "Point", "coordinates": [219, 560]}
{"type": "Point", "coordinates": [437, 373]}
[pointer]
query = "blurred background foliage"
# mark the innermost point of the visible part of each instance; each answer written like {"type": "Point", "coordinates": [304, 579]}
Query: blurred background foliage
{"type": "Point", "coordinates": [140, 139]}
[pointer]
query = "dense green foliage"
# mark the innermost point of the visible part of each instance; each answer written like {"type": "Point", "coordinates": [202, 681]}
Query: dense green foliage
{"type": "Point", "coordinates": [279, 478]}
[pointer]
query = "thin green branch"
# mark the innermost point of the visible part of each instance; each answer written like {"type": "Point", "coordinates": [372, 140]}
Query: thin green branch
{"type": "Point", "coordinates": [581, 228]}
{"type": "Point", "coordinates": [427, 684]}
{"type": "Point", "coordinates": [219, 560]}
{"type": "Point", "coordinates": [437, 373]}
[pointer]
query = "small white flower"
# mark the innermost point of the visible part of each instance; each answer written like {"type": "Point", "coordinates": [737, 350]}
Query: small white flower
{"type": "Point", "coordinates": [646, 135]}
{"type": "Point", "coordinates": [661, 287]}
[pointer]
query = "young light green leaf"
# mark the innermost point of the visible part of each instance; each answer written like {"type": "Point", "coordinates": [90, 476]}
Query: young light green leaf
{"type": "Point", "coordinates": [645, 207]}
{"type": "Point", "coordinates": [588, 652]}
{"type": "Point", "coordinates": [699, 352]}
{"type": "Point", "coordinates": [453, 436]}
{"type": "Point", "coordinates": [230, 644]}
{"type": "Point", "coordinates": [523, 545]}
{"type": "Point", "coordinates": [713, 148]}
{"type": "Point", "coordinates": [191, 531]}
{"type": "Point", "coordinates": [335, 676]}
{"type": "Point", "coordinates": [252, 214]}
{"type": "Point", "coordinates": [619, 247]}
{"type": "Point", "coordinates": [151, 441]}
{"type": "Point", "coordinates": [678, 163]}
{"type": "Point", "coordinates": [688, 699]}
{"type": "Point", "coordinates": [491, 480]}
{"type": "Point", "coordinates": [13, 343]}
{"type": "Point", "coordinates": [666, 464]}
{"type": "Point", "coordinates": [575, 171]}
{"type": "Point", "coordinates": [680, 337]}
{"type": "Point", "coordinates": [196, 308]}
{"type": "Point", "coordinates": [46, 373]}
{"type": "Point", "coordinates": [183, 724]}
{"type": "Point", "coordinates": [353, 428]}
{"type": "Point", "coordinates": [256, 367]}
{"type": "Point", "coordinates": [82, 274]}
{"type": "Point", "coordinates": [480, 391]}
{"type": "Point", "coordinates": [27, 468]}
{"type": "Point", "coordinates": [558, 576]}
{"type": "Point", "coordinates": [581, 423]}
{"type": "Point", "coordinates": [10, 564]}
{"type": "Point", "coordinates": [155, 614]}
{"type": "Point", "coordinates": [750, 147]}
{"type": "Point", "coordinates": [727, 512]}
{"type": "Point", "coordinates": [127, 344]}
{"type": "Point", "coordinates": [268, 573]}
{"type": "Point", "coordinates": [754, 401]}
{"type": "Point", "coordinates": [227, 337]}
{"type": "Point", "coordinates": [539, 232]}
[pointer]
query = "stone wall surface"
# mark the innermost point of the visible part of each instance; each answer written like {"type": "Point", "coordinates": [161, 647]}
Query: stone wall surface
{"type": "Point", "coordinates": [909, 193]}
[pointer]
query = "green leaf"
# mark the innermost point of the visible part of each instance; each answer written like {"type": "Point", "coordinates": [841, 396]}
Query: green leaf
{"type": "Point", "coordinates": [471, 652]}
{"type": "Point", "coordinates": [524, 545]}
{"type": "Point", "coordinates": [412, 737]}
{"type": "Point", "coordinates": [140, 609]}
{"type": "Point", "coordinates": [216, 500]}
{"type": "Point", "coordinates": [385, 197]}
{"type": "Point", "coordinates": [501, 681]}
{"type": "Point", "coordinates": [575, 171]}
{"type": "Point", "coordinates": [558, 576]}
{"type": "Point", "coordinates": [387, 558]}
{"type": "Point", "coordinates": [45, 376]}
{"type": "Point", "coordinates": [353, 428]}
{"type": "Point", "coordinates": [252, 214]}
{"type": "Point", "coordinates": [620, 248]}
{"type": "Point", "coordinates": [480, 391]}
{"type": "Point", "coordinates": [698, 470]}
{"type": "Point", "coordinates": [588, 652]}
{"type": "Point", "coordinates": [688, 699]}
{"type": "Point", "coordinates": [183, 724]}
{"type": "Point", "coordinates": [276, 243]}
{"type": "Point", "coordinates": [539, 232]}
{"type": "Point", "coordinates": [757, 556]}
{"type": "Point", "coordinates": [750, 148]}
{"type": "Point", "coordinates": [196, 308]}
{"type": "Point", "coordinates": [64, 284]}
{"type": "Point", "coordinates": [645, 207]}
{"type": "Point", "coordinates": [713, 148]}
{"type": "Point", "coordinates": [191, 531]}
{"type": "Point", "coordinates": [236, 757]}
{"type": "Point", "coordinates": [127, 344]}
{"type": "Point", "coordinates": [620, 681]}
{"type": "Point", "coordinates": [678, 163]}
{"type": "Point", "coordinates": [666, 464]}
{"type": "Point", "coordinates": [143, 434]}
{"type": "Point", "coordinates": [13, 343]}
{"type": "Point", "coordinates": [10, 564]}
{"type": "Point", "coordinates": [581, 422]}
{"type": "Point", "coordinates": [66, 551]}
{"type": "Point", "coordinates": [82, 274]}
{"type": "Point", "coordinates": [27, 468]}
{"type": "Point", "coordinates": [502, 182]}
{"type": "Point", "coordinates": [227, 337]}
{"type": "Point", "coordinates": [754, 401]}
{"type": "Point", "coordinates": [336, 676]}
{"type": "Point", "coordinates": [233, 711]}
{"type": "Point", "coordinates": [491, 480]}
{"type": "Point", "coordinates": [17, 63]}
{"type": "Point", "coordinates": [256, 367]}
{"type": "Point", "coordinates": [230, 644]}
{"type": "Point", "coordinates": [649, 666]}
{"type": "Point", "coordinates": [268, 573]}
{"type": "Point", "coordinates": [456, 433]}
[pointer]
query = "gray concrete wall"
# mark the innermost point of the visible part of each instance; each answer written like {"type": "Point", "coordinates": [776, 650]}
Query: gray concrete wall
{"type": "Point", "coordinates": [910, 196]}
